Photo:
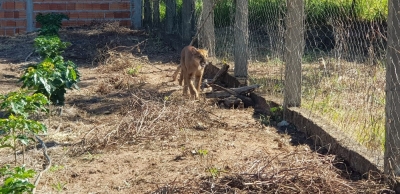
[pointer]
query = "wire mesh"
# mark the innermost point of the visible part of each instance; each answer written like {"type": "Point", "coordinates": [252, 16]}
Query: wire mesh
{"type": "Point", "coordinates": [343, 65]}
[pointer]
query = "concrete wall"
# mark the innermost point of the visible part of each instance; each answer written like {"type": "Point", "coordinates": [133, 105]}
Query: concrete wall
{"type": "Point", "coordinates": [18, 16]}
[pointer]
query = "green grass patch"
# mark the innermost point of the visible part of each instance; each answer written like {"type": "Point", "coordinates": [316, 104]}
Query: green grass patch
{"type": "Point", "coordinates": [351, 98]}
{"type": "Point", "coordinates": [267, 12]}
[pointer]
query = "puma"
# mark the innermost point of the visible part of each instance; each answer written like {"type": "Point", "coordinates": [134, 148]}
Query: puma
{"type": "Point", "coordinates": [192, 64]}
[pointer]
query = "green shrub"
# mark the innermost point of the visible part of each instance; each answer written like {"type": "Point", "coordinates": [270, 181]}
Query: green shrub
{"type": "Point", "coordinates": [50, 23]}
{"type": "Point", "coordinates": [16, 181]}
{"type": "Point", "coordinates": [51, 77]}
{"type": "Point", "coordinates": [50, 46]}
{"type": "Point", "coordinates": [17, 129]}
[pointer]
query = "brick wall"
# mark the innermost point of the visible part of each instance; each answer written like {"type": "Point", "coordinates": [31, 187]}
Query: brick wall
{"type": "Point", "coordinates": [12, 17]}
{"type": "Point", "coordinates": [13, 14]}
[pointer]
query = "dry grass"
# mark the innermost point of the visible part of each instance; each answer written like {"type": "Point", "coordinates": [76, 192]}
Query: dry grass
{"type": "Point", "coordinates": [350, 95]}
{"type": "Point", "coordinates": [296, 172]}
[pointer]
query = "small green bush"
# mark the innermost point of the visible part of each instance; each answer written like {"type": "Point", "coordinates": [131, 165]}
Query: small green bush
{"type": "Point", "coordinates": [16, 181]}
{"type": "Point", "coordinates": [50, 46]}
{"type": "Point", "coordinates": [50, 23]}
{"type": "Point", "coordinates": [51, 77]}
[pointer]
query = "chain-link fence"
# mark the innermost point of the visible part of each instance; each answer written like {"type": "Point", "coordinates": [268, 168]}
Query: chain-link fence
{"type": "Point", "coordinates": [343, 64]}
{"type": "Point", "coordinates": [343, 53]}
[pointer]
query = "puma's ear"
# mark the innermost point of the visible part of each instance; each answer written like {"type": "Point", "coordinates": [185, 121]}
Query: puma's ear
{"type": "Point", "coordinates": [194, 51]}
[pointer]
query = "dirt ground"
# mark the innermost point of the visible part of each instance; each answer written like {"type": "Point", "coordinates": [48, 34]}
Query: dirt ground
{"type": "Point", "coordinates": [128, 130]}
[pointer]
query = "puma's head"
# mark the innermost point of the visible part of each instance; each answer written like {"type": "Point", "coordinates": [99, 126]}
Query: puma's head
{"type": "Point", "coordinates": [202, 54]}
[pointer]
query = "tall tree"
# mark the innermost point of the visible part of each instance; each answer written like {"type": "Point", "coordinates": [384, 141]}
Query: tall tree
{"type": "Point", "coordinates": [170, 15]}
{"type": "Point", "coordinates": [147, 13]}
{"type": "Point", "coordinates": [241, 47]}
{"type": "Point", "coordinates": [156, 13]}
{"type": "Point", "coordinates": [207, 33]}
{"type": "Point", "coordinates": [187, 19]}
{"type": "Point", "coordinates": [392, 138]}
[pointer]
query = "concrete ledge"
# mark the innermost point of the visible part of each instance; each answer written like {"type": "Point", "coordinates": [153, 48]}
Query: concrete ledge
{"type": "Point", "coordinates": [321, 132]}
{"type": "Point", "coordinates": [338, 143]}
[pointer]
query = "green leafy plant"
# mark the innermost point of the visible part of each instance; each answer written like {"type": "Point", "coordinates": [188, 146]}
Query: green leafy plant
{"type": "Point", "coordinates": [22, 103]}
{"type": "Point", "coordinates": [16, 180]}
{"type": "Point", "coordinates": [50, 23]}
{"type": "Point", "coordinates": [276, 113]}
{"type": "Point", "coordinates": [90, 157]}
{"type": "Point", "coordinates": [17, 129]}
{"type": "Point", "coordinates": [50, 46]}
{"type": "Point", "coordinates": [134, 71]}
{"type": "Point", "coordinates": [215, 172]}
{"type": "Point", "coordinates": [51, 77]}
{"type": "Point", "coordinates": [55, 168]}
{"type": "Point", "coordinates": [202, 152]}
{"type": "Point", "coordinates": [59, 186]}
{"type": "Point", "coordinates": [265, 120]}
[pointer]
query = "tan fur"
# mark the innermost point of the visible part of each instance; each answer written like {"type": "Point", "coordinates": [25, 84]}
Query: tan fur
{"type": "Point", "coordinates": [192, 65]}
{"type": "Point", "coordinates": [203, 58]}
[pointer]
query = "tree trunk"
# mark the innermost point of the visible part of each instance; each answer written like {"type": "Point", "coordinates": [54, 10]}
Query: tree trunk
{"type": "Point", "coordinates": [170, 15]}
{"type": "Point", "coordinates": [207, 34]}
{"type": "Point", "coordinates": [187, 16]}
{"type": "Point", "coordinates": [241, 52]}
{"type": "Point", "coordinates": [294, 41]}
{"type": "Point", "coordinates": [147, 13]}
{"type": "Point", "coordinates": [156, 13]}
{"type": "Point", "coordinates": [392, 138]}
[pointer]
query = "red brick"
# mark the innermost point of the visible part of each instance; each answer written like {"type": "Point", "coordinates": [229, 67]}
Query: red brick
{"type": "Point", "coordinates": [10, 23]}
{"type": "Point", "coordinates": [95, 6]}
{"type": "Point", "coordinates": [100, 6]}
{"type": "Point", "coordinates": [105, 6]}
{"type": "Point", "coordinates": [41, 6]}
{"type": "Point", "coordinates": [20, 30]}
{"type": "Point", "coordinates": [9, 32]}
{"type": "Point", "coordinates": [57, 6]}
{"type": "Point", "coordinates": [73, 15]}
{"type": "Point", "coordinates": [20, 23]}
{"type": "Point", "coordinates": [69, 23]}
{"type": "Point", "coordinates": [22, 14]}
{"type": "Point", "coordinates": [126, 23]}
{"type": "Point", "coordinates": [20, 5]}
{"type": "Point", "coordinates": [8, 14]}
{"type": "Point", "coordinates": [95, 15]}
{"type": "Point", "coordinates": [119, 6]}
{"type": "Point", "coordinates": [1, 14]}
{"type": "Point", "coordinates": [109, 15]}
{"type": "Point", "coordinates": [88, 6]}
{"type": "Point", "coordinates": [16, 14]}
{"type": "Point", "coordinates": [8, 5]}
{"type": "Point", "coordinates": [80, 6]}
{"type": "Point", "coordinates": [83, 22]}
{"type": "Point", "coordinates": [83, 15]}
{"type": "Point", "coordinates": [124, 14]}
{"type": "Point", "coordinates": [71, 6]}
